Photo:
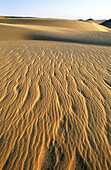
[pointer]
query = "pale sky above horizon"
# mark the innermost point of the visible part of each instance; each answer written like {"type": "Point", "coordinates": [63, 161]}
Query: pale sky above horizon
{"type": "Point", "coordinates": [71, 9]}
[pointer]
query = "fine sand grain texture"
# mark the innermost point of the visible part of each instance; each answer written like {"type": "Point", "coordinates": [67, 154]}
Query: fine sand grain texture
{"type": "Point", "coordinates": [55, 100]}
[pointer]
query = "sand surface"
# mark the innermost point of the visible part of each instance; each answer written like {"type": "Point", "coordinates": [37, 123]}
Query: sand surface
{"type": "Point", "coordinates": [55, 100]}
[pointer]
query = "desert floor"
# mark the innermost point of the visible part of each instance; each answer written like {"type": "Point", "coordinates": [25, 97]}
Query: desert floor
{"type": "Point", "coordinates": [55, 98]}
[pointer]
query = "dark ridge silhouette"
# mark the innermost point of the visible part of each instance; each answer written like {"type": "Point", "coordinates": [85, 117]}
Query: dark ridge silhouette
{"type": "Point", "coordinates": [90, 19]}
{"type": "Point", "coordinates": [80, 20]}
{"type": "Point", "coordinates": [106, 23]}
{"type": "Point", "coordinates": [15, 17]}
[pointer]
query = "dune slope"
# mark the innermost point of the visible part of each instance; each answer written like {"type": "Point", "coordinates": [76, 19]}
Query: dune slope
{"type": "Point", "coordinates": [59, 23]}
{"type": "Point", "coordinates": [106, 23]}
{"type": "Point", "coordinates": [55, 103]}
{"type": "Point", "coordinates": [29, 32]}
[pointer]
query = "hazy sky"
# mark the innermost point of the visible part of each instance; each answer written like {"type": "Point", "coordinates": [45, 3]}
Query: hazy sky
{"type": "Point", "coordinates": [72, 9]}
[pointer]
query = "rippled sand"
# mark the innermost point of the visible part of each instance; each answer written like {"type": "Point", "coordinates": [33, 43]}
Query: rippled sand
{"type": "Point", "coordinates": [55, 101]}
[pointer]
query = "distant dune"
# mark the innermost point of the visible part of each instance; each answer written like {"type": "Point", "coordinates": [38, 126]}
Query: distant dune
{"type": "Point", "coordinates": [107, 23]}
{"type": "Point", "coordinates": [90, 19]}
{"type": "Point", "coordinates": [55, 95]}
{"type": "Point", "coordinates": [57, 30]}
{"type": "Point", "coordinates": [95, 21]}
{"type": "Point", "coordinates": [71, 24]}
{"type": "Point", "coordinates": [15, 17]}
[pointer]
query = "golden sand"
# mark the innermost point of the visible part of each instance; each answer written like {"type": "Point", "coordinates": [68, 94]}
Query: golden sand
{"type": "Point", "coordinates": [55, 100]}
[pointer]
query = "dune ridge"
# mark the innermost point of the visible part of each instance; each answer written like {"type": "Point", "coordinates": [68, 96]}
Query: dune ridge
{"type": "Point", "coordinates": [58, 23]}
{"type": "Point", "coordinates": [28, 32]}
{"type": "Point", "coordinates": [55, 102]}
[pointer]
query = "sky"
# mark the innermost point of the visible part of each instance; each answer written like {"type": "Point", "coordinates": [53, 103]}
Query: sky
{"type": "Point", "coordinates": [70, 9]}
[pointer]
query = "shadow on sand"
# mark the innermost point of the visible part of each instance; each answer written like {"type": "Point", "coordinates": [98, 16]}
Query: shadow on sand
{"type": "Point", "coordinates": [81, 40]}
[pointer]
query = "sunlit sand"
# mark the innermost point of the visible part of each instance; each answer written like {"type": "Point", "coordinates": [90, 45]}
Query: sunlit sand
{"type": "Point", "coordinates": [55, 95]}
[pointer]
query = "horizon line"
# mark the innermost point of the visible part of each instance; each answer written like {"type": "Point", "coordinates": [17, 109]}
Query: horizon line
{"type": "Point", "coordinates": [26, 16]}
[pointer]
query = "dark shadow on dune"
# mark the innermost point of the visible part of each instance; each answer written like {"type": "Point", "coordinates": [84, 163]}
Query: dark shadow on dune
{"type": "Point", "coordinates": [106, 23]}
{"type": "Point", "coordinates": [68, 40]}
{"type": "Point", "coordinates": [69, 36]}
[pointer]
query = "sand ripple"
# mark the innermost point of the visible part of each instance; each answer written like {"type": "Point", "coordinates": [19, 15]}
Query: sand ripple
{"type": "Point", "coordinates": [55, 106]}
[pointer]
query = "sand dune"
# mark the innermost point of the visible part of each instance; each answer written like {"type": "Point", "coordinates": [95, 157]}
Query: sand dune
{"type": "Point", "coordinates": [96, 21]}
{"type": "Point", "coordinates": [9, 33]}
{"type": "Point", "coordinates": [55, 99]}
{"type": "Point", "coordinates": [60, 23]}
{"type": "Point", "coordinates": [107, 23]}
{"type": "Point", "coordinates": [28, 32]}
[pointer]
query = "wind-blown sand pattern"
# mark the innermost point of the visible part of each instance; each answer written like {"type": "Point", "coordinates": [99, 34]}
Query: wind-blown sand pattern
{"type": "Point", "coordinates": [55, 101]}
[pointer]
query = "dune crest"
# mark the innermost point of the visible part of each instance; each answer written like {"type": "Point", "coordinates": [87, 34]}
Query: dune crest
{"type": "Point", "coordinates": [101, 36]}
{"type": "Point", "coordinates": [54, 23]}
